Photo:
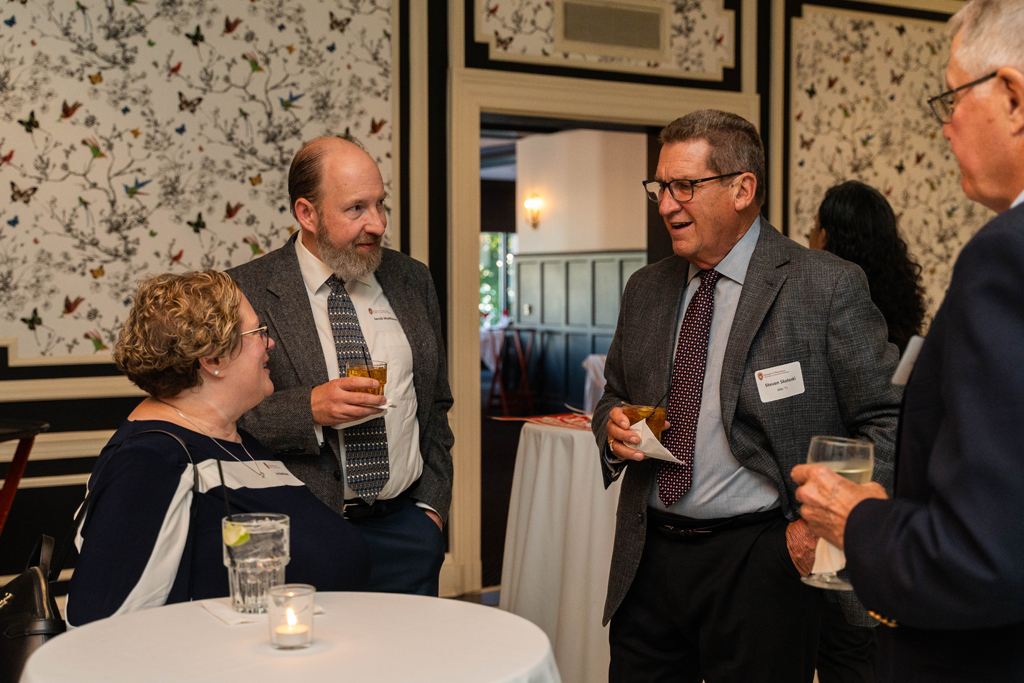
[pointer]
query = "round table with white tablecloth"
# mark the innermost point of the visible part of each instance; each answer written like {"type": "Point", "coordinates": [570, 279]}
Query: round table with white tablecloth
{"type": "Point", "coordinates": [376, 637]}
{"type": "Point", "coordinates": [558, 546]}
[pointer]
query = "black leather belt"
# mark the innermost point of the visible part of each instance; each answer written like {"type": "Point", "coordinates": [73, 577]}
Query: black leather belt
{"type": "Point", "coordinates": [357, 508]}
{"type": "Point", "coordinates": [678, 527]}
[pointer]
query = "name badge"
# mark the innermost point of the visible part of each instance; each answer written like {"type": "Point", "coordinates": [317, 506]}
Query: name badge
{"type": "Point", "coordinates": [779, 382]}
{"type": "Point", "coordinates": [382, 314]}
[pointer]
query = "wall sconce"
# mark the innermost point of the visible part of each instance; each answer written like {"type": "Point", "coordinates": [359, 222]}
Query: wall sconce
{"type": "Point", "coordinates": [533, 205]}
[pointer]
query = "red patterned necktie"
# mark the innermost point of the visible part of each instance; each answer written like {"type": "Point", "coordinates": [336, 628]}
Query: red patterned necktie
{"type": "Point", "coordinates": [687, 387]}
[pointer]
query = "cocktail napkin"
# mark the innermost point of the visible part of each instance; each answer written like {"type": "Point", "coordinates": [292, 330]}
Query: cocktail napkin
{"type": "Point", "coordinates": [385, 407]}
{"type": "Point", "coordinates": [828, 558]}
{"type": "Point", "coordinates": [226, 613]}
{"type": "Point", "coordinates": [650, 445]}
{"type": "Point", "coordinates": [902, 374]}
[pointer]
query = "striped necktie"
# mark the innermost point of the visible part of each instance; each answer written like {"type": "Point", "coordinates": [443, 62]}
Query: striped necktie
{"type": "Point", "coordinates": [366, 445]}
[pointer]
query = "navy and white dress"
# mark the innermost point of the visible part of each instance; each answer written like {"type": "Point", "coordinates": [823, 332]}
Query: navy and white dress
{"type": "Point", "coordinates": [136, 542]}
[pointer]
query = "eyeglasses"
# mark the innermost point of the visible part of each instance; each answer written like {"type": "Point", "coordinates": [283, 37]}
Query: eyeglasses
{"type": "Point", "coordinates": [681, 190]}
{"type": "Point", "coordinates": [262, 331]}
{"type": "Point", "coordinates": [942, 105]}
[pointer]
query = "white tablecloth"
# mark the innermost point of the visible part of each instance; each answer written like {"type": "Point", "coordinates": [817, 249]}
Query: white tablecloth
{"type": "Point", "coordinates": [593, 384]}
{"type": "Point", "coordinates": [361, 637]}
{"type": "Point", "coordinates": [558, 546]}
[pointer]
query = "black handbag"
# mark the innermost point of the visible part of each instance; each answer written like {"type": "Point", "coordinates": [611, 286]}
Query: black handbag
{"type": "Point", "coordinates": [28, 611]}
{"type": "Point", "coordinates": [28, 615]}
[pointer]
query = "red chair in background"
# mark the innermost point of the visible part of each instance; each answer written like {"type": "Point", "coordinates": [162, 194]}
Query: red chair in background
{"type": "Point", "coordinates": [25, 432]}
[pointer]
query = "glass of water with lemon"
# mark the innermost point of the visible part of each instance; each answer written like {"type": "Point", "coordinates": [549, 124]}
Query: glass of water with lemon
{"type": "Point", "coordinates": [256, 551]}
{"type": "Point", "coordinates": [852, 459]}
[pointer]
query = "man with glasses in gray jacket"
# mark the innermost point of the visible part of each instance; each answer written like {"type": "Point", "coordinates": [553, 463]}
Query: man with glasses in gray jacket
{"type": "Point", "coordinates": [756, 344]}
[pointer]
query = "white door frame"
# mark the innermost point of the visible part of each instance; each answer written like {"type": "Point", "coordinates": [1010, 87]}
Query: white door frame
{"type": "Point", "coordinates": [472, 92]}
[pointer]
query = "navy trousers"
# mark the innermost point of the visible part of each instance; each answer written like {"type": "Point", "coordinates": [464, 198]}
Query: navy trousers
{"type": "Point", "coordinates": [406, 548]}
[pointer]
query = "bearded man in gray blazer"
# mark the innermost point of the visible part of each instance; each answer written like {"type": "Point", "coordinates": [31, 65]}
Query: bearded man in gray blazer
{"type": "Point", "coordinates": [755, 344]}
{"type": "Point", "coordinates": [332, 294]}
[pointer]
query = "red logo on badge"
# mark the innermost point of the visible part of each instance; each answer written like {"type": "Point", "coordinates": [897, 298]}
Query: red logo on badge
{"type": "Point", "coordinates": [760, 375]}
{"type": "Point", "coordinates": [371, 311]}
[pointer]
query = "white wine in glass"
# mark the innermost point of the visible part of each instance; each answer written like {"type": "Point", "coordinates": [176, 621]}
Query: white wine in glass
{"type": "Point", "coordinates": [850, 458]}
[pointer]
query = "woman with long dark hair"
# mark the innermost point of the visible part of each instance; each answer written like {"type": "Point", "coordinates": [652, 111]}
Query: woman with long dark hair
{"type": "Point", "coordinates": [856, 223]}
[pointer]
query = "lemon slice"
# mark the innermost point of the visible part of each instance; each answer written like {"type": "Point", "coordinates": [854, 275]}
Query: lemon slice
{"type": "Point", "coordinates": [235, 535]}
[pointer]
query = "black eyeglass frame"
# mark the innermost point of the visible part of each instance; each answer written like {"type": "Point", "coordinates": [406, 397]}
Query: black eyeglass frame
{"type": "Point", "coordinates": [262, 331]}
{"type": "Point", "coordinates": [654, 196]}
{"type": "Point", "coordinates": [941, 98]}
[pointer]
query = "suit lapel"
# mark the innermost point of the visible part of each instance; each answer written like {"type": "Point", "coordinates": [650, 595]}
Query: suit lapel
{"type": "Point", "coordinates": [289, 311]}
{"type": "Point", "coordinates": [761, 286]}
{"type": "Point", "coordinates": [663, 320]}
{"type": "Point", "coordinates": [408, 309]}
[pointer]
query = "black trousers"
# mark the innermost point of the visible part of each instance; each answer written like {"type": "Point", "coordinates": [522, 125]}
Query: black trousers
{"type": "Point", "coordinates": [846, 653]}
{"type": "Point", "coordinates": [725, 608]}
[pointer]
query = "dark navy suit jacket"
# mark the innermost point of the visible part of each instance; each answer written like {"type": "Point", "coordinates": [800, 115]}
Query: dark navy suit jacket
{"type": "Point", "coordinates": [945, 558]}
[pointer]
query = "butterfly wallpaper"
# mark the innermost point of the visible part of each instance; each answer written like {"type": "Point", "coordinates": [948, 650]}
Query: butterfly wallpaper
{"type": "Point", "coordinates": [144, 136]}
{"type": "Point", "coordinates": [701, 38]}
{"type": "Point", "coordinates": [859, 110]}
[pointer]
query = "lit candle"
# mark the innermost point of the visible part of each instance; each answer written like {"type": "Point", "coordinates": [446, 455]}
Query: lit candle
{"type": "Point", "coordinates": [290, 615]}
{"type": "Point", "coordinates": [292, 634]}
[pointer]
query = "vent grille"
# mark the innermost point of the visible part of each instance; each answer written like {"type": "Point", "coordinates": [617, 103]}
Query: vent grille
{"type": "Point", "coordinates": [621, 26]}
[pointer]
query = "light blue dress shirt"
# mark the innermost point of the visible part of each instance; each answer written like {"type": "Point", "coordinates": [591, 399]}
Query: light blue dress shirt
{"type": "Point", "coordinates": [721, 486]}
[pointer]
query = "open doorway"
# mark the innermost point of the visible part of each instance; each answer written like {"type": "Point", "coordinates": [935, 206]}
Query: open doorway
{"type": "Point", "coordinates": [473, 93]}
{"type": "Point", "coordinates": [549, 283]}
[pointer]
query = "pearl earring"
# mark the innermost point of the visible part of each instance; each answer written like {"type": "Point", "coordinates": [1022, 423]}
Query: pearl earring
{"type": "Point", "coordinates": [216, 372]}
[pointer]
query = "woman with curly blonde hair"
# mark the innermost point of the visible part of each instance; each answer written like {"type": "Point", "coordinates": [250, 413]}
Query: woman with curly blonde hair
{"type": "Point", "coordinates": [194, 344]}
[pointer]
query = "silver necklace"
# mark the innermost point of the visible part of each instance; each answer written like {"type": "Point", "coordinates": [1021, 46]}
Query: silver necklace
{"type": "Point", "coordinates": [200, 429]}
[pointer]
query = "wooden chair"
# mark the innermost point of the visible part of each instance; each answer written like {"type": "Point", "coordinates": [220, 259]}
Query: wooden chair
{"type": "Point", "coordinates": [498, 395]}
{"type": "Point", "coordinates": [25, 432]}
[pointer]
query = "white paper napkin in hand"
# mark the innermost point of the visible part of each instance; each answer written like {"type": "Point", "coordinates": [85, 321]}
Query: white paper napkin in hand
{"type": "Point", "coordinates": [385, 407]}
{"type": "Point", "coordinates": [828, 559]}
{"type": "Point", "coordinates": [902, 374]}
{"type": "Point", "coordinates": [226, 613]}
{"type": "Point", "coordinates": [650, 445]}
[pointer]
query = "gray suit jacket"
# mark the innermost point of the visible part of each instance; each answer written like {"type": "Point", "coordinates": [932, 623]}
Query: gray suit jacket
{"type": "Point", "coordinates": [284, 421]}
{"type": "Point", "coordinates": [796, 305]}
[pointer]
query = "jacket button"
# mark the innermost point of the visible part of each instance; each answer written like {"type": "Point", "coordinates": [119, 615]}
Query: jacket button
{"type": "Point", "coordinates": [640, 516]}
{"type": "Point", "coordinates": [337, 475]}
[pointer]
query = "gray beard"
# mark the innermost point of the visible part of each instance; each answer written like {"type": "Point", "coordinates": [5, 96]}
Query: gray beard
{"type": "Point", "coordinates": [346, 262]}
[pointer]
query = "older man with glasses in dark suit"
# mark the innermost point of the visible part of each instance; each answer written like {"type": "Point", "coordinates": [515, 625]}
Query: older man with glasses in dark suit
{"type": "Point", "coordinates": [758, 345]}
{"type": "Point", "coordinates": [943, 562]}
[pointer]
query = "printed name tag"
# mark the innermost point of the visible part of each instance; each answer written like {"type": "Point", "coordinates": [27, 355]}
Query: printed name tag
{"type": "Point", "coordinates": [782, 381]}
{"type": "Point", "coordinates": [382, 314]}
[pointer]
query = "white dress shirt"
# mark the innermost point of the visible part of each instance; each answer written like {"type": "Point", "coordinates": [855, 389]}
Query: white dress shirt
{"type": "Point", "coordinates": [1018, 200]}
{"type": "Point", "coordinates": [387, 342]}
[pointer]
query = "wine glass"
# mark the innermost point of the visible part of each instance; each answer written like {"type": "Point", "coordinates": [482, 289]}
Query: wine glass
{"type": "Point", "coordinates": [850, 458]}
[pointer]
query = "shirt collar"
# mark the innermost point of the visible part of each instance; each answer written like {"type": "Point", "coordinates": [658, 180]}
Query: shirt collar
{"type": "Point", "coordinates": [734, 265]}
{"type": "Point", "coordinates": [315, 272]}
{"type": "Point", "coordinates": [1019, 200]}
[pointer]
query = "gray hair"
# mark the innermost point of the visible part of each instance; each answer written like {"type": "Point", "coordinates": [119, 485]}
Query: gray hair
{"type": "Point", "coordinates": [735, 144]}
{"type": "Point", "coordinates": [990, 35]}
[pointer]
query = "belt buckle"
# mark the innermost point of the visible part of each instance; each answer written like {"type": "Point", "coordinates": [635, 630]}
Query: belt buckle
{"type": "Point", "coordinates": [348, 508]}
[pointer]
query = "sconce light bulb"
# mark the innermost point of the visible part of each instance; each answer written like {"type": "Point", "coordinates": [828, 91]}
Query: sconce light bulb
{"type": "Point", "coordinates": [533, 206]}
